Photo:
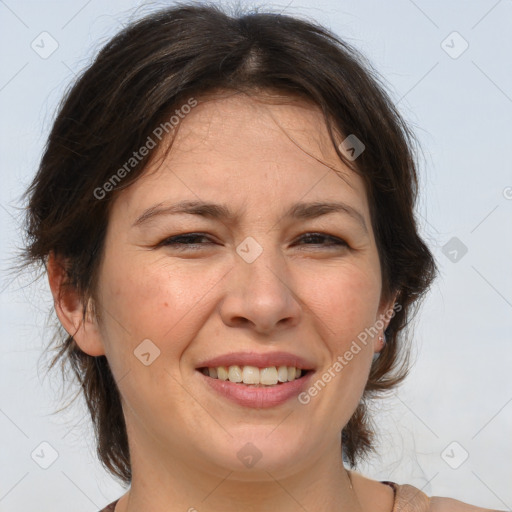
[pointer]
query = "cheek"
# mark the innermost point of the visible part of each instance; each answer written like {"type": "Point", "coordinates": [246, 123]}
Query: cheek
{"type": "Point", "coordinates": [166, 304]}
{"type": "Point", "coordinates": [345, 299]}
{"type": "Point", "coordinates": [157, 299]}
{"type": "Point", "coordinates": [344, 302]}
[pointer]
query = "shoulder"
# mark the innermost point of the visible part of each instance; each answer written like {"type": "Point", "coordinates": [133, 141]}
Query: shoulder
{"type": "Point", "coordinates": [405, 497]}
{"type": "Point", "coordinates": [439, 504]}
{"type": "Point", "coordinates": [409, 498]}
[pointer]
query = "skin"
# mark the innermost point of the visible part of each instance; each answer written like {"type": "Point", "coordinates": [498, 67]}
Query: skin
{"type": "Point", "coordinates": [256, 156]}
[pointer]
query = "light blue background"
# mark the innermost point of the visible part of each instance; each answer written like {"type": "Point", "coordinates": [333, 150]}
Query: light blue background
{"type": "Point", "coordinates": [461, 109]}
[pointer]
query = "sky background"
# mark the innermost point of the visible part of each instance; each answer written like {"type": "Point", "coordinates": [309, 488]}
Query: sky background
{"type": "Point", "coordinates": [448, 429]}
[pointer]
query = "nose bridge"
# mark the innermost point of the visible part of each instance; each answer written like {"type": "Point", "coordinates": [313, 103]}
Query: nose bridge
{"type": "Point", "coordinates": [262, 268]}
{"type": "Point", "coordinates": [260, 291]}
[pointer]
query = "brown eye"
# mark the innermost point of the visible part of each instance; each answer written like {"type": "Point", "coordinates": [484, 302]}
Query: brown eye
{"type": "Point", "coordinates": [322, 239]}
{"type": "Point", "coordinates": [192, 240]}
{"type": "Point", "coordinates": [188, 240]}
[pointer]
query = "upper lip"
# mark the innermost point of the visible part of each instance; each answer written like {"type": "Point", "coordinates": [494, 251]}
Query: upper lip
{"type": "Point", "coordinates": [260, 360]}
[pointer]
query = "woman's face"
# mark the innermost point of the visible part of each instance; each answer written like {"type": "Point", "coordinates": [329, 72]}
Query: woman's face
{"type": "Point", "coordinates": [255, 282]}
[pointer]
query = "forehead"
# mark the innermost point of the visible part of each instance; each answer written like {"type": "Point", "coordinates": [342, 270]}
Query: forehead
{"type": "Point", "coordinates": [264, 149]}
{"type": "Point", "coordinates": [234, 124]}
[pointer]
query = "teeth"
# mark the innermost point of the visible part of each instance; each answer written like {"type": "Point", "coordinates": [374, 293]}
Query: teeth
{"type": "Point", "coordinates": [282, 374]}
{"type": "Point", "coordinates": [268, 376]}
{"type": "Point", "coordinates": [235, 374]}
{"type": "Point", "coordinates": [222, 373]}
{"type": "Point", "coordinates": [252, 375]}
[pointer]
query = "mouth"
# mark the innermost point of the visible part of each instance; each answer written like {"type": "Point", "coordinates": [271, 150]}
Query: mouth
{"type": "Point", "coordinates": [257, 380]}
{"type": "Point", "coordinates": [254, 387]}
{"type": "Point", "coordinates": [252, 376]}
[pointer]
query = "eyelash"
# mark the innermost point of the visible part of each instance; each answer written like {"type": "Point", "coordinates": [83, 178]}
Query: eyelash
{"type": "Point", "coordinates": [178, 240]}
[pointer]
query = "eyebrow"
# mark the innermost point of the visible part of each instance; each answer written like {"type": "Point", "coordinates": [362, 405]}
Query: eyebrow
{"type": "Point", "coordinates": [303, 211]}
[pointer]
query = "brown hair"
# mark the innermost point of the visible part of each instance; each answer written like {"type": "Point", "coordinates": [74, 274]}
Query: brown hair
{"type": "Point", "coordinates": [136, 81]}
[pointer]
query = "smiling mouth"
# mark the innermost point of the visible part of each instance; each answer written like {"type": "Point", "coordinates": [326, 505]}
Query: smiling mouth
{"type": "Point", "coordinates": [253, 376]}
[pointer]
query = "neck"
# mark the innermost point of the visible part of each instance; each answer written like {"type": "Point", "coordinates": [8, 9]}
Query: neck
{"type": "Point", "coordinates": [161, 483]}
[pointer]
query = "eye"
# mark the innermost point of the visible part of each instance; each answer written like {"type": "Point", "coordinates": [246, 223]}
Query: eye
{"type": "Point", "coordinates": [190, 240]}
{"type": "Point", "coordinates": [185, 241]}
{"type": "Point", "coordinates": [333, 240]}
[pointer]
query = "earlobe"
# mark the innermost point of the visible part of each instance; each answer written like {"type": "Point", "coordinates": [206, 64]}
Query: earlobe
{"type": "Point", "coordinates": [69, 308]}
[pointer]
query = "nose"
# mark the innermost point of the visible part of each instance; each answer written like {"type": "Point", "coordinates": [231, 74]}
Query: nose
{"type": "Point", "coordinates": [260, 295]}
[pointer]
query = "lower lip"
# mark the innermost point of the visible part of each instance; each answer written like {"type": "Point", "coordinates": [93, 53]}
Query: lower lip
{"type": "Point", "coordinates": [258, 397]}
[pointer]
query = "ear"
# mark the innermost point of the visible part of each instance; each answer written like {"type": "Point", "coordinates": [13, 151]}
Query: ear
{"type": "Point", "coordinates": [69, 308]}
{"type": "Point", "coordinates": [387, 310]}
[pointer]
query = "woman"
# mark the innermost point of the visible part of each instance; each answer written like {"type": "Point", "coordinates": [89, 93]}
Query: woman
{"type": "Point", "coordinates": [225, 209]}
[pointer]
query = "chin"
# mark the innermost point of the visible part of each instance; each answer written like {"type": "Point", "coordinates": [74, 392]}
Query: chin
{"type": "Point", "coordinates": [251, 456]}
